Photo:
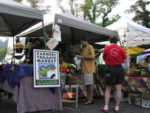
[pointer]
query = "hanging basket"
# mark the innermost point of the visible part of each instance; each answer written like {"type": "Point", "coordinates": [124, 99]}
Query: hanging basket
{"type": "Point", "coordinates": [18, 50]}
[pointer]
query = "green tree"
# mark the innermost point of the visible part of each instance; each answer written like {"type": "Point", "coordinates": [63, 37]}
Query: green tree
{"type": "Point", "coordinates": [34, 3]}
{"type": "Point", "coordinates": [142, 14]}
{"type": "Point", "coordinates": [94, 10]}
{"type": "Point", "coordinates": [89, 9]}
{"type": "Point", "coordinates": [106, 7]}
{"type": "Point", "coordinates": [3, 53]}
{"type": "Point", "coordinates": [110, 21]}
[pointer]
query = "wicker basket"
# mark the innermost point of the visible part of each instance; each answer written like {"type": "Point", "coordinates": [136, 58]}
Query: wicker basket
{"type": "Point", "coordinates": [72, 79]}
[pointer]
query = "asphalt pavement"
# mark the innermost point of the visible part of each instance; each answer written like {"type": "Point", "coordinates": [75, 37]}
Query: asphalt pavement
{"type": "Point", "coordinates": [8, 106]}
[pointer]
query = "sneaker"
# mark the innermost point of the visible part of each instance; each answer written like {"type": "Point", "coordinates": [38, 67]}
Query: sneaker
{"type": "Point", "coordinates": [103, 110]}
{"type": "Point", "coordinates": [116, 111]}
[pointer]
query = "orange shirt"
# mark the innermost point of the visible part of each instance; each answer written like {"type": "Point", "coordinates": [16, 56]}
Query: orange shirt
{"type": "Point", "coordinates": [88, 65]}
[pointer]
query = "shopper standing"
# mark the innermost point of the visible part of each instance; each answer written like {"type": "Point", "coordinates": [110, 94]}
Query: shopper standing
{"type": "Point", "coordinates": [114, 56]}
{"type": "Point", "coordinates": [88, 68]}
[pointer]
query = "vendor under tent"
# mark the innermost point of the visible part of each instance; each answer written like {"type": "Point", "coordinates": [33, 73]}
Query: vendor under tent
{"type": "Point", "coordinates": [72, 29]}
{"type": "Point", "coordinates": [15, 17]}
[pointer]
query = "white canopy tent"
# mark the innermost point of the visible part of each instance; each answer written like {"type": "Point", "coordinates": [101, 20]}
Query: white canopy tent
{"type": "Point", "coordinates": [15, 17]}
{"type": "Point", "coordinates": [132, 32]}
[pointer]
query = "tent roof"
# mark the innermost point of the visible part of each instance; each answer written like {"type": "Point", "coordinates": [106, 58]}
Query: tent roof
{"type": "Point", "coordinates": [73, 28]}
{"type": "Point", "coordinates": [133, 50]}
{"type": "Point", "coordinates": [15, 17]}
{"type": "Point", "coordinates": [137, 34]}
{"type": "Point", "coordinates": [72, 21]}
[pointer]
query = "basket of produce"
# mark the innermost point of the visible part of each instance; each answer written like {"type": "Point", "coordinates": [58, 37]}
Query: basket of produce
{"type": "Point", "coordinates": [144, 73]}
{"type": "Point", "coordinates": [134, 98]}
{"type": "Point", "coordinates": [71, 79]}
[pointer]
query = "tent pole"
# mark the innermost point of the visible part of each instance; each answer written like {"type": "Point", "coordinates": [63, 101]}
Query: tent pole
{"type": "Point", "coordinates": [13, 58]}
{"type": "Point", "coordinates": [120, 43]}
{"type": "Point", "coordinates": [128, 61]}
{"type": "Point", "coordinates": [44, 32]}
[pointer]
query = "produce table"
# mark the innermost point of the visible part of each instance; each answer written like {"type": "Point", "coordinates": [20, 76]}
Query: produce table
{"type": "Point", "coordinates": [131, 84]}
{"type": "Point", "coordinates": [28, 98]}
{"type": "Point", "coordinates": [98, 88]}
{"type": "Point", "coordinates": [76, 91]}
{"type": "Point", "coordinates": [137, 84]}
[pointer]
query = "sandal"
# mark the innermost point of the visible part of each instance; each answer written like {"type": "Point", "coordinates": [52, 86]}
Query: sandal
{"type": "Point", "coordinates": [84, 100]}
{"type": "Point", "coordinates": [88, 102]}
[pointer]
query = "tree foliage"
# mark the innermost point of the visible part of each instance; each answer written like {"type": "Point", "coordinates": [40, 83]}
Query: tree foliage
{"type": "Point", "coordinates": [142, 14]}
{"type": "Point", "coordinates": [99, 10]}
{"type": "Point", "coordinates": [3, 53]}
{"type": "Point", "coordinates": [110, 21]}
{"type": "Point", "coordinates": [34, 3]}
{"type": "Point", "coordinates": [89, 9]}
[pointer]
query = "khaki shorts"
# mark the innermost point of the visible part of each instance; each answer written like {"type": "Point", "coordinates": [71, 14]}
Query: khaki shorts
{"type": "Point", "coordinates": [87, 79]}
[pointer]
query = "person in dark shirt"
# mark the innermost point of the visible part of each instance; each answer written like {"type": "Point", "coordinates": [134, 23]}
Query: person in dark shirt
{"type": "Point", "coordinates": [37, 44]}
{"type": "Point", "coordinates": [114, 56]}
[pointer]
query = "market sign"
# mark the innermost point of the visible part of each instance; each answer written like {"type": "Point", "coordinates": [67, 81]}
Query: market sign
{"type": "Point", "coordinates": [46, 68]}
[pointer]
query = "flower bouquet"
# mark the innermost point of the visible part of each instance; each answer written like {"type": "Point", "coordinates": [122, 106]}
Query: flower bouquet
{"type": "Point", "coordinates": [65, 67]}
{"type": "Point", "coordinates": [47, 37]}
{"type": "Point", "coordinates": [28, 46]}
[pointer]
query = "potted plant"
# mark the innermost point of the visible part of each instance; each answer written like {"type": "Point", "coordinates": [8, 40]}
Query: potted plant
{"type": "Point", "coordinates": [27, 47]}
{"type": "Point", "coordinates": [18, 47]}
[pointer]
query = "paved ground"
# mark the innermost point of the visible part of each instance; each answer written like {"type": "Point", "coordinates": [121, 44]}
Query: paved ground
{"type": "Point", "coordinates": [8, 106]}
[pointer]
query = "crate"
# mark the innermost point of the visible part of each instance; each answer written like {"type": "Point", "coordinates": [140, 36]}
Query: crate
{"type": "Point", "coordinates": [134, 98]}
{"type": "Point", "coordinates": [145, 103]}
{"type": "Point", "coordinates": [146, 100]}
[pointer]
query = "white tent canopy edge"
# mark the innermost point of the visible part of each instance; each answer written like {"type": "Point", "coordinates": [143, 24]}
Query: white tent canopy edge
{"type": "Point", "coordinates": [137, 34]}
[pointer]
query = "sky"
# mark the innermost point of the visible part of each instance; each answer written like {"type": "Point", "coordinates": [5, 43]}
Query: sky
{"type": "Point", "coordinates": [123, 6]}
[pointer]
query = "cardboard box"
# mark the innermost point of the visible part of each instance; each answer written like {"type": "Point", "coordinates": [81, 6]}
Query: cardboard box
{"type": "Point", "coordinates": [134, 98]}
{"type": "Point", "coordinates": [146, 100]}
